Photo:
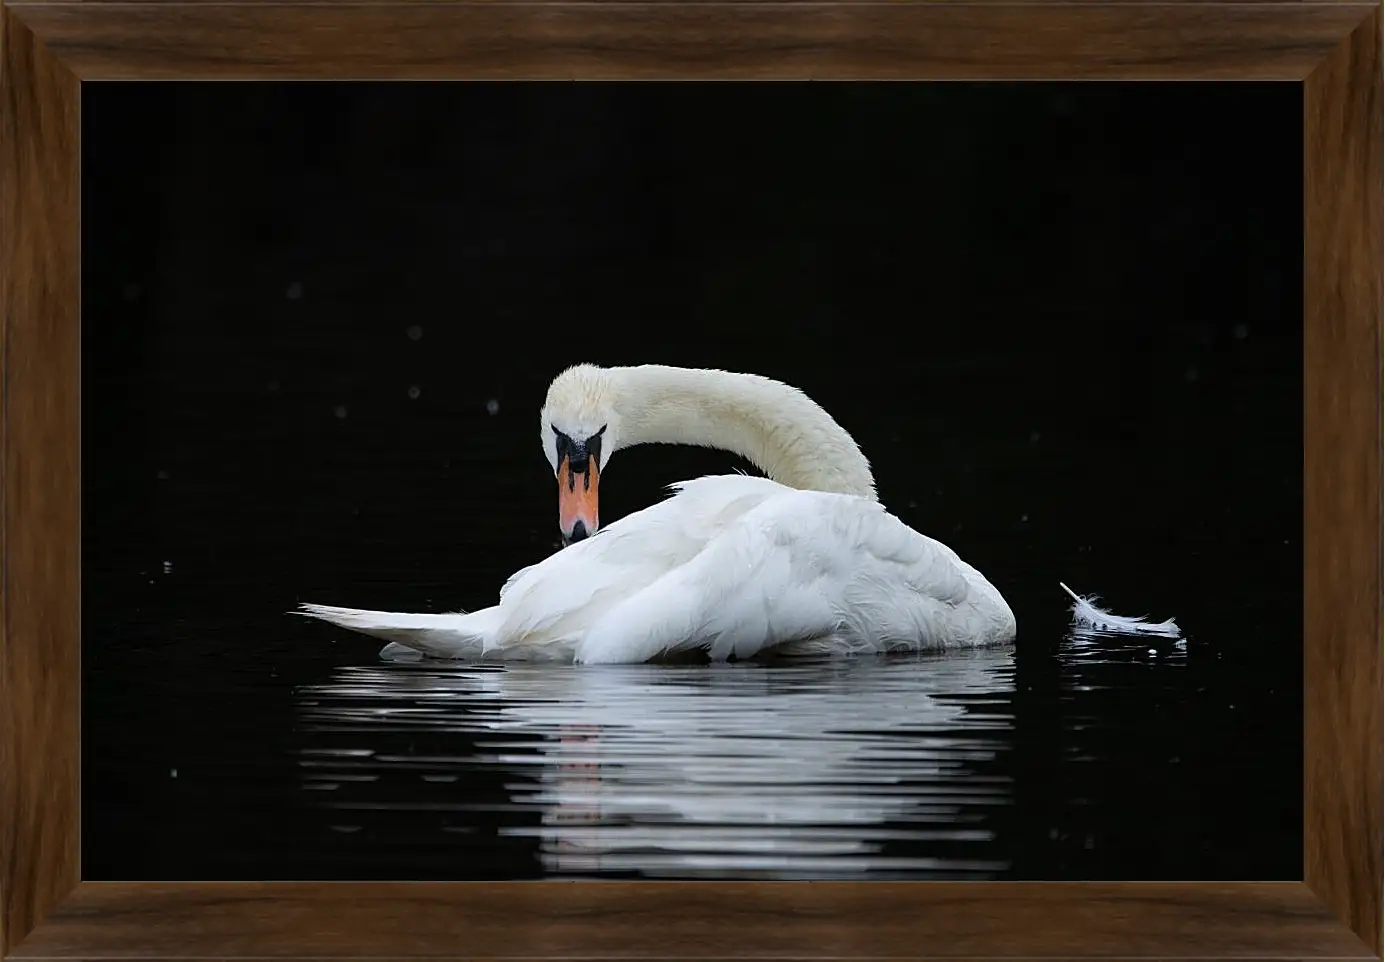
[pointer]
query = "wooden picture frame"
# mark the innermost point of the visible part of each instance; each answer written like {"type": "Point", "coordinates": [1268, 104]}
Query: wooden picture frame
{"type": "Point", "coordinates": [48, 49]}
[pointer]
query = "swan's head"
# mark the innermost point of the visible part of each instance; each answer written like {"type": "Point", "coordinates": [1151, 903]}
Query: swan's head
{"type": "Point", "coordinates": [579, 429]}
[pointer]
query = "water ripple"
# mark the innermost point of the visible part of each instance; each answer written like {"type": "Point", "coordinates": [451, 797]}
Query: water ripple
{"type": "Point", "coordinates": [884, 768]}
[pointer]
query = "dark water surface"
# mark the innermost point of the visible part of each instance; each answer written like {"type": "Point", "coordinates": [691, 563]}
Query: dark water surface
{"type": "Point", "coordinates": [891, 769]}
{"type": "Point", "coordinates": [1064, 322]}
{"type": "Point", "coordinates": [291, 752]}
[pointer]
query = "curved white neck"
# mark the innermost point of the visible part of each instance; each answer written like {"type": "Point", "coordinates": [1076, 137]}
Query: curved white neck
{"type": "Point", "coordinates": [777, 428]}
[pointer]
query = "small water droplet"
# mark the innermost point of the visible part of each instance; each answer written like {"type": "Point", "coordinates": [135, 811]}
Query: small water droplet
{"type": "Point", "coordinates": [272, 387]}
{"type": "Point", "coordinates": [913, 504]}
{"type": "Point", "coordinates": [1024, 517]}
{"type": "Point", "coordinates": [340, 410]}
{"type": "Point", "coordinates": [1241, 332]}
{"type": "Point", "coordinates": [1034, 436]}
{"type": "Point", "coordinates": [295, 291]}
{"type": "Point", "coordinates": [414, 392]}
{"type": "Point", "coordinates": [173, 773]}
{"type": "Point", "coordinates": [415, 332]}
{"type": "Point", "coordinates": [492, 406]}
{"type": "Point", "coordinates": [1190, 374]}
{"type": "Point", "coordinates": [163, 476]}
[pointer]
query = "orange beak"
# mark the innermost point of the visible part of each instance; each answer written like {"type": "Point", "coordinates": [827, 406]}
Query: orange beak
{"type": "Point", "coordinates": [577, 515]}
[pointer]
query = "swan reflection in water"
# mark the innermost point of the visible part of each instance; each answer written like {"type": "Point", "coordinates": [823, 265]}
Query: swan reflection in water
{"type": "Point", "coordinates": [878, 767]}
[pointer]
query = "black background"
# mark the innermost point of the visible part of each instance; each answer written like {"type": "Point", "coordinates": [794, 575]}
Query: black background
{"type": "Point", "coordinates": [1063, 321]}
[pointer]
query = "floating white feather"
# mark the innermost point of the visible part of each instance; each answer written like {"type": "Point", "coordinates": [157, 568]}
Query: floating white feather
{"type": "Point", "coordinates": [1086, 614]}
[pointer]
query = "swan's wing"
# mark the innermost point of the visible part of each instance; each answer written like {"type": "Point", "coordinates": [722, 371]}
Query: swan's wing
{"type": "Point", "coordinates": [799, 565]}
{"type": "Point", "coordinates": [910, 590]}
{"type": "Point", "coordinates": [565, 593]}
{"type": "Point", "coordinates": [907, 589]}
{"type": "Point", "coordinates": [514, 579]}
{"type": "Point", "coordinates": [892, 548]}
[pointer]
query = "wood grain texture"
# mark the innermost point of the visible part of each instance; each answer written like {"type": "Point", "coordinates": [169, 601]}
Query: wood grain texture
{"type": "Point", "coordinates": [685, 3]}
{"type": "Point", "coordinates": [693, 920]}
{"type": "Point", "coordinates": [39, 542]}
{"type": "Point", "coordinates": [726, 40]}
{"type": "Point", "coordinates": [1338, 45]}
{"type": "Point", "coordinates": [1342, 480]}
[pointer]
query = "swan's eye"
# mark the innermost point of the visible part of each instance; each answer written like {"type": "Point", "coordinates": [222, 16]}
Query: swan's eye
{"type": "Point", "coordinates": [577, 452]}
{"type": "Point", "coordinates": [561, 442]}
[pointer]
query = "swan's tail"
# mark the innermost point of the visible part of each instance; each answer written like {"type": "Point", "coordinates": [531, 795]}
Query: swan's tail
{"type": "Point", "coordinates": [440, 636]}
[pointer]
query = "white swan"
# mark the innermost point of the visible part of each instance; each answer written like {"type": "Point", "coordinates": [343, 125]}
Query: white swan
{"type": "Point", "coordinates": [806, 561]}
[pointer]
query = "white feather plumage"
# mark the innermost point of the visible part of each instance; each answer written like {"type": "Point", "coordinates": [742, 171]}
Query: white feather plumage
{"type": "Point", "coordinates": [805, 560]}
{"type": "Point", "coordinates": [1086, 614]}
